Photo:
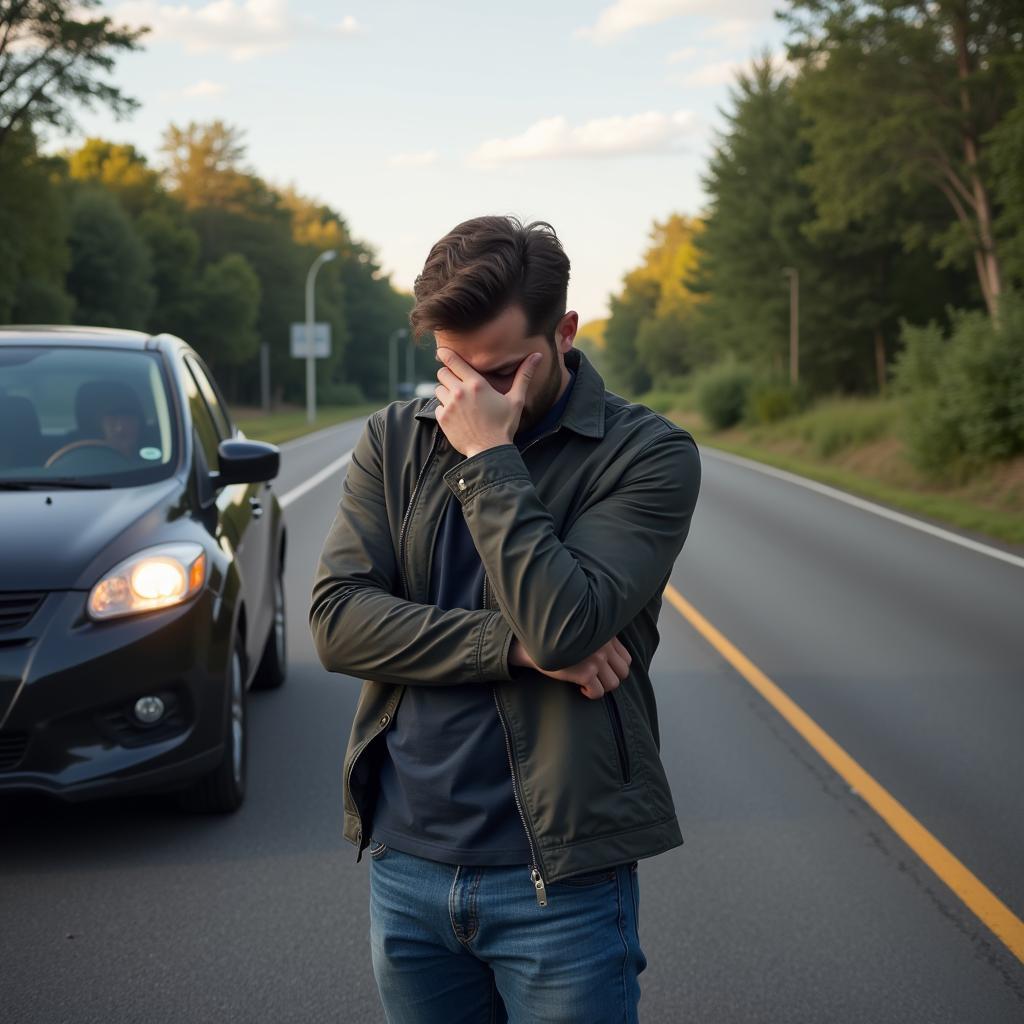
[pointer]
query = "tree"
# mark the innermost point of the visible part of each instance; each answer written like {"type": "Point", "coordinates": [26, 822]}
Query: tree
{"type": "Point", "coordinates": [205, 167]}
{"type": "Point", "coordinates": [638, 302]}
{"type": "Point", "coordinates": [123, 170]}
{"type": "Point", "coordinates": [762, 217]}
{"type": "Point", "coordinates": [920, 83]}
{"type": "Point", "coordinates": [174, 249]}
{"type": "Point", "coordinates": [34, 253]}
{"type": "Point", "coordinates": [229, 302]}
{"type": "Point", "coordinates": [52, 57]}
{"type": "Point", "coordinates": [109, 275]}
{"type": "Point", "coordinates": [1006, 141]}
{"type": "Point", "coordinates": [159, 219]}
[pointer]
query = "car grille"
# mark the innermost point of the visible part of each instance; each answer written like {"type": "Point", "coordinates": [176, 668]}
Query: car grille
{"type": "Point", "coordinates": [17, 607]}
{"type": "Point", "coordinates": [12, 749]}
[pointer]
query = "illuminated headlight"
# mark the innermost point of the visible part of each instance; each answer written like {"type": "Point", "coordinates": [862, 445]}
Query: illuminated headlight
{"type": "Point", "coordinates": [155, 578]}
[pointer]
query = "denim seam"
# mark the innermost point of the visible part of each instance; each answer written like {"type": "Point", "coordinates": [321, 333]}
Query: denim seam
{"type": "Point", "coordinates": [474, 922]}
{"type": "Point", "coordinates": [451, 904]}
{"type": "Point", "coordinates": [625, 944]}
{"type": "Point", "coordinates": [494, 992]}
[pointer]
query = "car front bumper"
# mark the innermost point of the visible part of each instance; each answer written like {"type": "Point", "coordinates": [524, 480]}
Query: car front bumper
{"type": "Point", "coordinates": [68, 687]}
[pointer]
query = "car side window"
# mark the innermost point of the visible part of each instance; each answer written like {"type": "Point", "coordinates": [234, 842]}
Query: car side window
{"type": "Point", "coordinates": [206, 429]}
{"type": "Point", "coordinates": [211, 393]}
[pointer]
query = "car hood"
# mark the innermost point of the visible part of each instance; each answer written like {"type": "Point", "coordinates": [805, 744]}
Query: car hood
{"type": "Point", "coordinates": [49, 540]}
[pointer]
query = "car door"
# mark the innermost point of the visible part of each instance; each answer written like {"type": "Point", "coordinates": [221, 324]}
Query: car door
{"type": "Point", "coordinates": [240, 510]}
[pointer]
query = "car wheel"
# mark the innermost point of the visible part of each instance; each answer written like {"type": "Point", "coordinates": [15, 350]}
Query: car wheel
{"type": "Point", "coordinates": [270, 673]}
{"type": "Point", "coordinates": [223, 790]}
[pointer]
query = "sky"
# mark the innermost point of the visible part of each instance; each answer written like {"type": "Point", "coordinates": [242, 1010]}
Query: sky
{"type": "Point", "coordinates": [408, 118]}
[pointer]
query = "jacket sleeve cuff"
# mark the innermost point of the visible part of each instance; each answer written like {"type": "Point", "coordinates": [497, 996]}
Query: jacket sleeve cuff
{"type": "Point", "coordinates": [492, 656]}
{"type": "Point", "coordinates": [485, 469]}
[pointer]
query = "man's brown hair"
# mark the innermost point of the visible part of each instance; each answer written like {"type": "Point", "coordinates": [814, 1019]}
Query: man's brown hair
{"type": "Point", "coordinates": [483, 266]}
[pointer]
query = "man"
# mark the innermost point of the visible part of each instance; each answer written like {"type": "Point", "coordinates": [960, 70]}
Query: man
{"type": "Point", "coordinates": [121, 430]}
{"type": "Point", "coordinates": [494, 575]}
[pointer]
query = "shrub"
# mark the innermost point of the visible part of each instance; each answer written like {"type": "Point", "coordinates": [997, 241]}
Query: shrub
{"type": "Point", "coordinates": [963, 395]}
{"type": "Point", "coordinates": [721, 393]}
{"type": "Point", "coordinates": [771, 399]}
{"type": "Point", "coordinates": [340, 393]}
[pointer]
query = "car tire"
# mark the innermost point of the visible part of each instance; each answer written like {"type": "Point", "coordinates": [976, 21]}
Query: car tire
{"type": "Point", "coordinates": [222, 791]}
{"type": "Point", "coordinates": [271, 671]}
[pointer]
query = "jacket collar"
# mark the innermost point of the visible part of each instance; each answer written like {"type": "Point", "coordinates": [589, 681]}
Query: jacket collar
{"type": "Point", "coordinates": [584, 411]}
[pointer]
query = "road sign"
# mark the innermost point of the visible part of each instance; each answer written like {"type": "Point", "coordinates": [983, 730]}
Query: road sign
{"type": "Point", "coordinates": [321, 340]}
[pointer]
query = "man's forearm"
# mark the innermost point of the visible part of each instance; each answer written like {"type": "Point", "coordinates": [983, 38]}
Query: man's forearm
{"type": "Point", "coordinates": [368, 633]}
{"type": "Point", "coordinates": [360, 626]}
{"type": "Point", "coordinates": [565, 598]}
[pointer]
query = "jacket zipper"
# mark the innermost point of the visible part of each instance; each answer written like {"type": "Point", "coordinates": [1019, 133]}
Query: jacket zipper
{"type": "Point", "coordinates": [535, 873]}
{"type": "Point", "coordinates": [405, 589]}
{"type": "Point", "coordinates": [535, 876]}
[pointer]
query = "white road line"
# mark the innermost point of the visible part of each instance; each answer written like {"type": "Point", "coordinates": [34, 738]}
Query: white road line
{"type": "Point", "coordinates": [316, 478]}
{"type": "Point", "coordinates": [867, 506]}
{"type": "Point", "coordinates": [317, 435]}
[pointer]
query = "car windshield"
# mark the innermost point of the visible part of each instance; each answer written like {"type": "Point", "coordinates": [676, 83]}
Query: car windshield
{"type": "Point", "coordinates": [78, 417]}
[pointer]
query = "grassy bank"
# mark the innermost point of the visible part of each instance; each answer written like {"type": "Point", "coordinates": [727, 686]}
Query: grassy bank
{"type": "Point", "coordinates": [854, 444]}
{"type": "Point", "coordinates": [289, 422]}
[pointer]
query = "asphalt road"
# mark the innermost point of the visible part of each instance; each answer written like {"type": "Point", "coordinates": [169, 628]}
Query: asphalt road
{"type": "Point", "coordinates": [790, 900]}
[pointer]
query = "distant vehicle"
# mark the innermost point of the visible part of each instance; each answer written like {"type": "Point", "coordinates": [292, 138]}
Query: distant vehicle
{"type": "Point", "coordinates": [425, 389]}
{"type": "Point", "coordinates": [141, 563]}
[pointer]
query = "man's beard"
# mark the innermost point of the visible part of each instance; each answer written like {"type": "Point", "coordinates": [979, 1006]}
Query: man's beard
{"type": "Point", "coordinates": [539, 404]}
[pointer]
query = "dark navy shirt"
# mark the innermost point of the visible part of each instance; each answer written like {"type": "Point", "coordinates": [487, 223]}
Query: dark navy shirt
{"type": "Point", "coordinates": [445, 781]}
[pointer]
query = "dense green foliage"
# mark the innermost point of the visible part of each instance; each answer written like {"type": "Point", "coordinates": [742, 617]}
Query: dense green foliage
{"type": "Point", "coordinates": [884, 172]}
{"type": "Point", "coordinates": [964, 390]}
{"type": "Point", "coordinates": [208, 251]}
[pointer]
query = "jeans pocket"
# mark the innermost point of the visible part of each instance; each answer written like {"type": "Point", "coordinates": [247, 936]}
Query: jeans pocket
{"type": "Point", "coordinates": [377, 848]}
{"type": "Point", "coordinates": [589, 878]}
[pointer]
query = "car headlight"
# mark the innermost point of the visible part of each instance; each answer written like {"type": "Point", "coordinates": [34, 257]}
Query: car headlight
{"type": "Point", "coordinates": [157, 577]}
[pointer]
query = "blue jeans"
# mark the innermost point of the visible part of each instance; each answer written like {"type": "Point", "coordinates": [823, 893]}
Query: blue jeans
{"type": "Point", "coordinates": [460, 944]}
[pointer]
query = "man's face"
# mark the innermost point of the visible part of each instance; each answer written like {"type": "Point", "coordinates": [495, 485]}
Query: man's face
{"type": "Point", "coordinates": [121, 430]}
{"type": "Point", "coordinates": [496, 350]}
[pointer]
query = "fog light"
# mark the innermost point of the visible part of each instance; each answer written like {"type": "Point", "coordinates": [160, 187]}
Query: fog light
{"type": "Point", "coordinates": [149, 709]}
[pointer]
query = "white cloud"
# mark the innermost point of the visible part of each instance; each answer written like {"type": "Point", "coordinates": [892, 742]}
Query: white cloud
{"type": "Point", "coordinates": [414, 159]}
{"type": "Point", "coordinates": [724, 72]}
{"type": "Point", "coordinates": [242, 29]}
{"type": "Point", "coordinates": [625, 15]}
{"type": "Point", "coordinates": [731, 27]}
{"type": "Point", "coordinates": [203, 88]}
{"type": "Point", "coordinates": [684, 54]}
{"type": "Point", "coordinates": [554, 138]}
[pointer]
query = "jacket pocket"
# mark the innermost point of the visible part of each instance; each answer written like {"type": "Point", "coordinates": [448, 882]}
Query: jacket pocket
{"type": "Point", "coordinates": [614, 716]}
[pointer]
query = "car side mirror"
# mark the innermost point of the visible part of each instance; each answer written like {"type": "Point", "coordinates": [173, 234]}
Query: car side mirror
{"type": "Point", "coordinates": [246, 462]}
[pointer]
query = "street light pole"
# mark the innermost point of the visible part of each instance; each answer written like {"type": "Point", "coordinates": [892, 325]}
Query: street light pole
{"type": "Point", "coordinates": [393, 362]}
{"type": "Point", "coordinates": [323, 258]}
{"type": "Point", "coordinates": [794, 339]}
{"type": "Point", "coordinates": [410, 366]}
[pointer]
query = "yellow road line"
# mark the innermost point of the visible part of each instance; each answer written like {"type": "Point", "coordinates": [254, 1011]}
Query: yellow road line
{"type": "Point", "coordinates": [972, 891]}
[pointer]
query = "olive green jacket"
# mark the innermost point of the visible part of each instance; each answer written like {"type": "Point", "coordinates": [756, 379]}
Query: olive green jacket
{"type": "Point", "coordinates": [577, 534]}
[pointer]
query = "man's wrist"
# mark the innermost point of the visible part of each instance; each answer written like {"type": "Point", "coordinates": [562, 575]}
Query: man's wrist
{"type": "Point", "coordinates": [518, 656]}
{"type": "Point", "coordinates": [472, 450]}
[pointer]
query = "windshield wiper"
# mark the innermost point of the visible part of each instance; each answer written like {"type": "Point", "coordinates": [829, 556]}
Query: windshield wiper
{"type": "Point", "coordinates": [39, 484]}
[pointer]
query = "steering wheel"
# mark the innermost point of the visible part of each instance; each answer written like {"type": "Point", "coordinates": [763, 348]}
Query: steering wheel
{"type": "Point", "coordinates": [83, 443]}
